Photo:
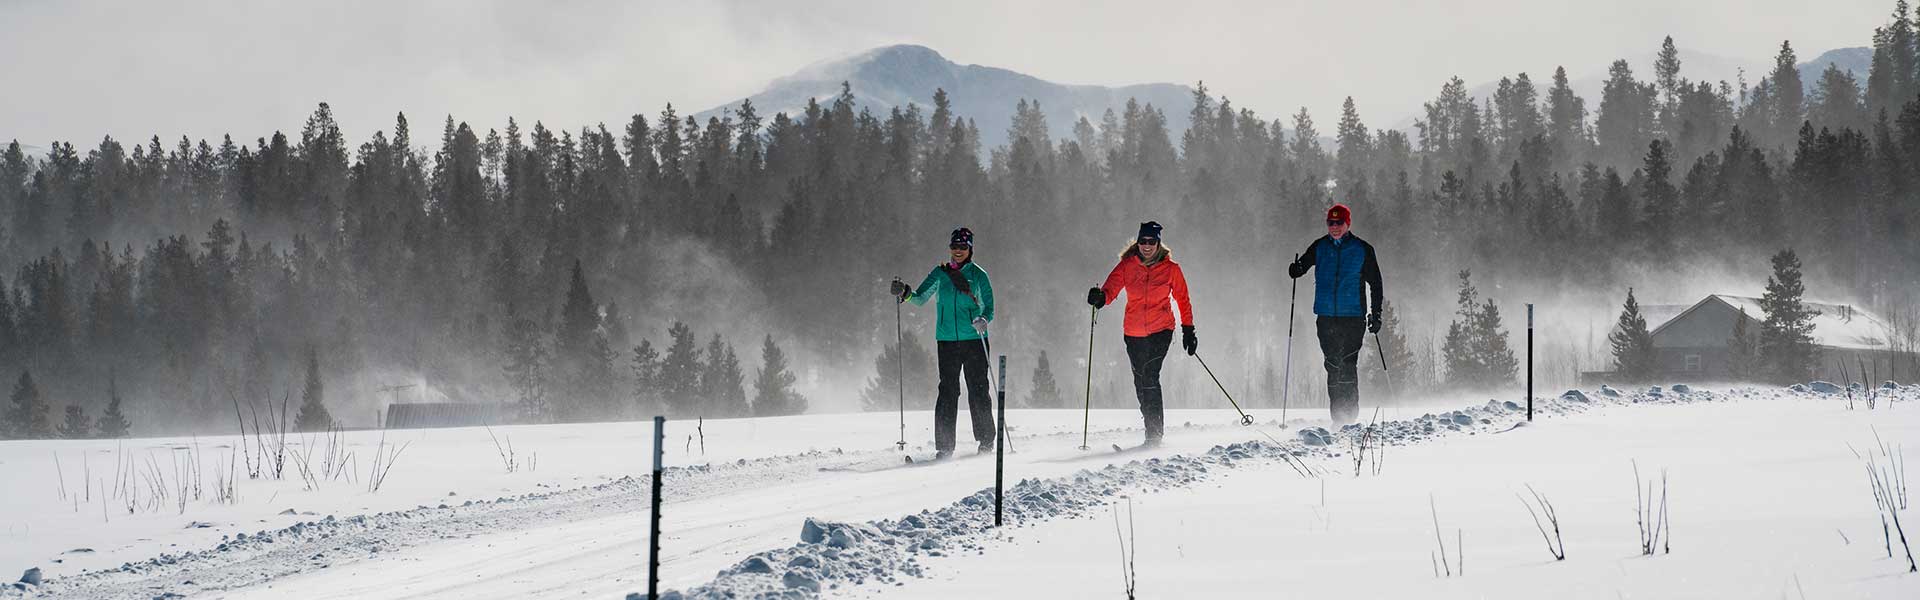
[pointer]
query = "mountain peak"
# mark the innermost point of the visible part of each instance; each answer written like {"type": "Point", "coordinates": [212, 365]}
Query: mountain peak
{"type": "Point", "coordinates": [893, 76]}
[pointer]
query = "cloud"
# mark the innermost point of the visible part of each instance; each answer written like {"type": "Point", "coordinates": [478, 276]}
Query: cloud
{"type": "Point", "coordinates": [78, 69]}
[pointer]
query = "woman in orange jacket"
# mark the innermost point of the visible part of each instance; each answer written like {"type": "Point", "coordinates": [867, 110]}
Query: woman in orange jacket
{"type": "Point", "coordinates": [1152, 280]}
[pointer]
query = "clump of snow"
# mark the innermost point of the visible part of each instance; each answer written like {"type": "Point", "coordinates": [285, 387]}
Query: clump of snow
{"type": "Point", "coordinates": [1608, 391]}
{"type": "Point", "coordinates": [32, 576]}
{"type": "Point", "coordinates": [1681, 388]}
{"type": "Point", "coordinates": [1314, 436]}
{"type": "Point", "coordinates": [1822, 387]}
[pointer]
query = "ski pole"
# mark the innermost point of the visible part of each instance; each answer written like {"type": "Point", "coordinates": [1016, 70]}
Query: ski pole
{"type": "Point", "coordinates": [1384, 371]}
{"type": "Point", "coordinates": [900, 369]}
{"type": "Point", "coordinates": [986, 351]}
{"type": "Point", "coordinates": [1086, 412]}
{"type": "Point", "coordinates": [1245, 419]}
{"type": "Point", "coordinates": [1286, 379]}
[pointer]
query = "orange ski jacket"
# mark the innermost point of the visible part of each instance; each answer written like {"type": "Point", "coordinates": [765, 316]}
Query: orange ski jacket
{"type": "Point", "coordinates": [1150, 285]}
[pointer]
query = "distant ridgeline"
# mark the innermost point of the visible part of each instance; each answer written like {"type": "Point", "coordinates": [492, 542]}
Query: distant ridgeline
{"type": "Point", "coordinates": [542, 266]}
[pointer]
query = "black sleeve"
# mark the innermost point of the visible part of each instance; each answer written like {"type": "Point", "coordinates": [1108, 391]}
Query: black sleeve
{"type": "Point", "coordinates": [1370, 273]}
{"type": "Point", "coordinates": [1307, 258]}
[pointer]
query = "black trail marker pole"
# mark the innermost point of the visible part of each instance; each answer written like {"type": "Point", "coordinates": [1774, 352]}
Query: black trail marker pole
{"type": "Point", "coordinates": [653, 557]}
{"type": "Point", "coordinates": [1000, 447]}
{"type": "Point", "coordinates": [1529, 362]}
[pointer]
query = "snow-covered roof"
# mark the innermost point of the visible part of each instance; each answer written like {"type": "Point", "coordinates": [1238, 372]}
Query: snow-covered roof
{"type": "Point", "coordinates": [1659, 314]}
{"type": "Point", "coordinates": [1837, 325]}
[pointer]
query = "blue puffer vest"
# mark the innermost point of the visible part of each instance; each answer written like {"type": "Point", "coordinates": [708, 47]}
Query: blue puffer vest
{"type": "Point", "coordinates": [1337, 285]}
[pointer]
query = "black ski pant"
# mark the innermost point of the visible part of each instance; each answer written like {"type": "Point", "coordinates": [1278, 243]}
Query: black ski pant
{"type": "Point", "coordinates": [970, 356]}
{"type": "Point", "coordinates": [1340, 339]}
{"type": "Point", "coordinates": [1147, 354]}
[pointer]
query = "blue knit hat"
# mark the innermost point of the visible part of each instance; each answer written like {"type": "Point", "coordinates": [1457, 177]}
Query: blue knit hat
{"type": "Point", "coordinates": [962, 236]}
{"type": "Point", "coordinates": [1149, 230]}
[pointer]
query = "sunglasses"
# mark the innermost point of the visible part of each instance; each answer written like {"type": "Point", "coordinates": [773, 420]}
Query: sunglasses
{"type": "Point", "coordinates": [959, 247]}
{"type": "Point", "coordinates": [1149, 242]}
{"type": "Point", "coordinates": [1333, 222]}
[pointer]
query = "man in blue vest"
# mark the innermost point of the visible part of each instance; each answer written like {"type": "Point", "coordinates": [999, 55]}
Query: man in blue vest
{"type": "Point", "coordinates": [1342, 263]}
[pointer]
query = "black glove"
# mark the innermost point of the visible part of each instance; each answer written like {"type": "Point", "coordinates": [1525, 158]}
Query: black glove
{"type": "Point", "coordinates": [1187, 340]}
{"type": "Point", "coordinates": [1373, 323]}
{"type": "Point", "coordinates": [1296, 269]}
{"type": "Point", "coordinates": [1096, 297]}
{"type": "Point", "coordinates": [900, 290]}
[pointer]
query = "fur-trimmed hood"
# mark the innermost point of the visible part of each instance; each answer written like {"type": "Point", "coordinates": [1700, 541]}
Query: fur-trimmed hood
{"type": "Point", "coordinates": [1133, 250]}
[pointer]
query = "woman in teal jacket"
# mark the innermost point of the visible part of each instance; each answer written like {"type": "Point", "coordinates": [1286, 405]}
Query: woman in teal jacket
{"type": "Point", "coordinates": [960, 332]}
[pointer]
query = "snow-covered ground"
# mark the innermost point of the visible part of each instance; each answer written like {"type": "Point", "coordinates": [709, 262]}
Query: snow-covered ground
{"type": "Point", "coordinates": [1768, 500]}
{"type": "Point", "coordinates": [1767, 496]}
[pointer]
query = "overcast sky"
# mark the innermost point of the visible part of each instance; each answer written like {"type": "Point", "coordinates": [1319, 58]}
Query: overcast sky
{"type": "Point", "coordinates": [77, 69]}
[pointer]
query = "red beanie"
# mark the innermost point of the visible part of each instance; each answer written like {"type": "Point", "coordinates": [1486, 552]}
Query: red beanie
{"type": "Point", "coordinates": [1341, 213]}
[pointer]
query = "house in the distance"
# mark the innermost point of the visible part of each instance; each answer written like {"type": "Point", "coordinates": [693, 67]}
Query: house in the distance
{"type": "Point", "coordinates": [1691, 341]}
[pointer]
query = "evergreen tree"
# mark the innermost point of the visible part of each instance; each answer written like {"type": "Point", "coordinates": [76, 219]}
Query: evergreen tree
{"type": "Point", "coordinates": [1666, 72]}
{"type": "Point", "coordinates": [1046, 391]}
{"type": "Point", "coordinates": [910, 358]}
{"type": "Point", "coordinates": [1787, 348]}
{"type": "Point", "coordinates": [1836, 102]}
{"type": "Point", "coordinates": [1788, 94]}
{"type": "Point", "coordinates": [584, 354]}
{"type": "Point", "coordinates": [1307, 153]}
{"type": "Point", "coordinates": [722, 383]}
{"type": "Point", "coordinates": [113, 423]}
{"type": "Point", "coordinates": [1662, 199]}
{"type": "Point", "coordinates": [773, 387]}
{"type": "Point", "coordinates": [1355, 146]}
{"type": "Point", "coordinates": [527, 366]}
{"type": "Point", "coordinates": [679, 378]}
{"type": "Point", "coordinates": [1634, 359]}
{"type": "Point", "coordinates": [313, 407]}
{"type": "Point", "coordinates": [77, 426]}
{"type": "Point", "coordinates": [1613, 218]}
{"type": "Point", "coordinates": [1626, 120]}
{"type": "Point", "coordinates": [1491, 343]}
{"type": "Point", "coordinates": [1566, 121]}
{"type": "Point", "coordinates": [27, 417]}
{"type": "Point", "coordinates": [1476, 351]}
{"type": "Point", "coordinates": [646, 379]}
{"type": "Point", "coordinates": [1743, 351]}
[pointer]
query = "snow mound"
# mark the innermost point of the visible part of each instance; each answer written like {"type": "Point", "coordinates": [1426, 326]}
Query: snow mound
{"type": "Point", "coordinates": [1822, 387]}
{"type": "Point", "coordinates": [831, 554]}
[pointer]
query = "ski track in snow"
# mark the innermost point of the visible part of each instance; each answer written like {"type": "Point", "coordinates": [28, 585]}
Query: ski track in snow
{"type": "Point", "coordinates": [829, 555]}
{"type": "Point", "coordinates": [252, 559]}
{"type": "Point", "coordinates": [247, 560]}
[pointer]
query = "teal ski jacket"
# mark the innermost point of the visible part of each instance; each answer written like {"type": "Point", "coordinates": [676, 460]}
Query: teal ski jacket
{"type": "Point", "coordinates": [956, 309]}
